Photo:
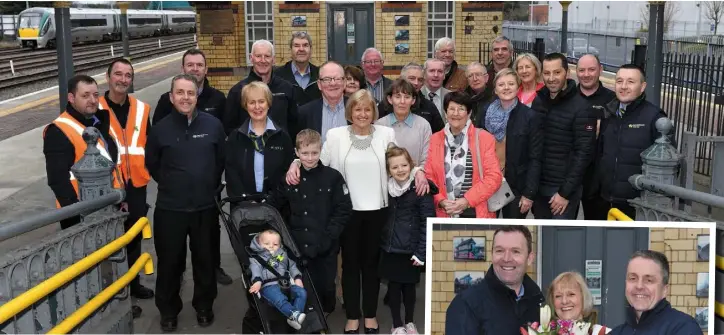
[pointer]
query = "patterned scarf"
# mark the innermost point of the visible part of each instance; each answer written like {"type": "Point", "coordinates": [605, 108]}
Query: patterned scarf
{"type": "Point", "coordinates": [496, 119]}
{"type": "Point", "coordinates": [456, 151]}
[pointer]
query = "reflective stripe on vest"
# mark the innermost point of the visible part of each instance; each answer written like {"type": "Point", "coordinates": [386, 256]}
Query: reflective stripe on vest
{"type": "Point", "coordinates": [73, 130]}
{"type": "Point", "coordinates": [132, 154]}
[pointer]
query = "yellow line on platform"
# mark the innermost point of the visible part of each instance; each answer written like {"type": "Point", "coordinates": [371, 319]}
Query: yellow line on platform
{"type": "Point", "coordinates": [53, 98]}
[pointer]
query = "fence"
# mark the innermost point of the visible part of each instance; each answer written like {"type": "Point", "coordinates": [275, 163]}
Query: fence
{"type": "Point", "coordinates": [7, 27]}
{"type": "Point", "coordinates": [485, 50]}
{"type": "Point", "coordinates": [63, 282]}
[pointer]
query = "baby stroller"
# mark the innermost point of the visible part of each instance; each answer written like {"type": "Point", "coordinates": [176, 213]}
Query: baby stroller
{"type": "Point", "coordinates": [242, 222]}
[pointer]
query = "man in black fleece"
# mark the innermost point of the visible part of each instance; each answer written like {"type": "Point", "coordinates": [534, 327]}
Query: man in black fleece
{"type": "Point", "coordinates": [185, 155]}
{"type": "Point", "coordinates": [283, 109]}
{"type": "Point", "coordinates": [299, 72]}
{"type": "Point", "coordinates": [209, 100]}
{"type": "Point", "coordinates": [570, 129]}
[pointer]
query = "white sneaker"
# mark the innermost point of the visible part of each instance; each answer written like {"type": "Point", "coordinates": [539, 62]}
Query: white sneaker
{"type": "Point", "coordinates": [411, 328]}
{"type": "Point", "coordinates": [398, 331]}
{"type": "Point", "coordinates": [296, 320]}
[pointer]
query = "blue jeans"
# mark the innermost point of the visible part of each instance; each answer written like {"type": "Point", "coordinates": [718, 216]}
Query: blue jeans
{"type": "Point", "coordinates": [274, 295]}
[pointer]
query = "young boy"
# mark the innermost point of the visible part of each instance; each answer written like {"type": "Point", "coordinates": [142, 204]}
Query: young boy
{"type": "Point", "coordinates": [268, 248]}
{"type": "Point", "coordinates": [320, 208]}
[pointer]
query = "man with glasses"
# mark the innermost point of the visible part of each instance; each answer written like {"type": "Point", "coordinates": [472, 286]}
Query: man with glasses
{"type": "Point", "coordinates": [502, 57]}
{"type": "Point", "coordinates": [326, 112]}
{"type": "Point", "coordinates": [477, 76]}
{"type": "Point", "coordinates": [372, 66]}
{"type": "Point", "coordinates": [299, 72]}
{"type": "Point", "coordinates": [283, 110]}
{"type": "Point", "coordinates": [455, 79]}
{"type": "Point", "coordinates": [434, 70]}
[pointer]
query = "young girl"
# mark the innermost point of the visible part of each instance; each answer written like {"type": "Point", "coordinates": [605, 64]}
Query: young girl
{"type": "Point", "coordinates": [403, 238]}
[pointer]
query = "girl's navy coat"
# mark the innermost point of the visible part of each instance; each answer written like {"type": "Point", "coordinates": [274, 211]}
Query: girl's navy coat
{"type": "Point", "coordinates": [405, 231]}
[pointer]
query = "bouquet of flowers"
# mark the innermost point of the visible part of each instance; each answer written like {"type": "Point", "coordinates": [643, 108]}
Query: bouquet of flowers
{"type": "Point", "coordinates": [557, 327]}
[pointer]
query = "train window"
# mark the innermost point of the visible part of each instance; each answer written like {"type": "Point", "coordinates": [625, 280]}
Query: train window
{"type": "Point", "coordinates": [76, 23]}
{"type": "Point", "coordinates": [30, 20]}
{"type": "Point", "coordinates": [183, 19]}
{"type": "Point", "coordinates": [144, 20]}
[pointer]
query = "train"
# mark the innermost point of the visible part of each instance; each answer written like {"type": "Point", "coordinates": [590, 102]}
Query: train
{"type": "Point", "coordinates": [36, 26]}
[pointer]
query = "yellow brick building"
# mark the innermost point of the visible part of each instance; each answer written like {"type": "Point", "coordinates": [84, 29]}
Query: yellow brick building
{"type": "Point", "coordinates": [226, 31]}
{"type": "Point", "coordinates": [679, 245]}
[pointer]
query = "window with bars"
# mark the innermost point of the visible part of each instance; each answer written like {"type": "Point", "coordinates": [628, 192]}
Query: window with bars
{"type": "Point", "coordinates": [259, 23]}
{"type": "Point", "coordinates": [440, 23]}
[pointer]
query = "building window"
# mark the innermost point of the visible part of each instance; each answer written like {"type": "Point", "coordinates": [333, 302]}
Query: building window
{"type": "Point", "coordinates": [440, 23]}
{"type": "Point", "coordinates": [259, 23]}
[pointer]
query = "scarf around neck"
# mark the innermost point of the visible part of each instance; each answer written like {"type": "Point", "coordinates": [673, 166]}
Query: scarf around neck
{"type": "Point", "coordinates": [456, 151]}
{"type": "Point", "coordinates": [395, 189]}
{"type": "Point", "coordinates": [496, 118]}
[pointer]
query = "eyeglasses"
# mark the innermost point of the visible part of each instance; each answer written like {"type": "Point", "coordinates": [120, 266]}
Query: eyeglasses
{"type": "Point", "coordinates": [375, 62]}
{"type": "Point", "coordinates": [477, 75]}
{"type": "Point", "coordinates": [329, 80]}
{"type": "Point", "coordinates": [457, 110]}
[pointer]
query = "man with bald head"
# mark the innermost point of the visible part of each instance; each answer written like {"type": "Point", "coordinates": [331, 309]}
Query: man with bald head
{"type": "Point", "coordinates": [373, 65]}
{"type": "Point", "coordinates": [589, 71]}
{"type": "Point", "coordinates": [283, 110]}
{"type": "Point", "coordinates": [326, 112]}
{"type": "Point", "coordinates": [455, 79]}
{"type": "Point", "coordinates": [412, 72]}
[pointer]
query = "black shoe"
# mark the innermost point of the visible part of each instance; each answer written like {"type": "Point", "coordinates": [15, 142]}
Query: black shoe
{"type": "Point", "coordinates": [352, 331]}
{"type": "Point", "coordinates": [222, 278]}
{"type": "Point", "coordinates": [142, 292]}
{"type": "Point", "coordinates": [205, 318]}
{"type": "Point", "coordinates": [169, 324]}
{"type": "Point", "coordinates": [372, 330]}
{"type": "Point", "coordinates": [136, 311]}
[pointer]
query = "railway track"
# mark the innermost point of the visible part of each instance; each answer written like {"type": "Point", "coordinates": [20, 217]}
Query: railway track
{"type": "Point", "coordinates": [88, 64]}
{"type": "Point", "coordinates": [15, 53]}
{"type": "Point", "coordinates": [35, 62]}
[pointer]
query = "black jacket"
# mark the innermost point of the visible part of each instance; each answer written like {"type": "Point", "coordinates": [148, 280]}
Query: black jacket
{"type": "Point", "coordinates": [661, 320]}
{"type": "Point", "coordinates": [302, 95]}
{"type": "Point", "coordinates": [478, 100]}
{"type": "Point", "coordinates": [490, 308]}
{"type": "Point", "coordinates": [621, 143]}
{"type": "Point", "coordinates": [405, 231]}
{"type": "Point", "coordinates": [211, 101]}
{"type": "Point", "coordinates": [186, 160]}
{"type": "Point", "coordinates": [283, 110]}
{"type": "Point", "coordinates": [422, 107]}
{"type": "Point", "coordinates": [523, 148]}
{"type": "Point", "coordinates": [60, 153]}
{"type": "Point", "coordinates": [570, 129]}
{"type": "Point", "coordinates": [278, 155]}
{"type": "Point", "coordinates": [319, 208]}
{"type": "Point", "coordinates": [310, 116]}
{"type": "Point", "coordinates": [597, 102]}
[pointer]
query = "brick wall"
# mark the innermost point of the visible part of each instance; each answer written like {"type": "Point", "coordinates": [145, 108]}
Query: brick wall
{"type": "Point", "coordinates": [316, 14]}
{"type": "Point", "coordinates": [225, 53]}
{"type": "Point", "coordinates": [385, 30]}
{"type": "Point", "coordinates": [679, 245]}
{"type": "Point", "coordinates": [484, 19]}
{"type": "Point", "coordinates": [444, 268]}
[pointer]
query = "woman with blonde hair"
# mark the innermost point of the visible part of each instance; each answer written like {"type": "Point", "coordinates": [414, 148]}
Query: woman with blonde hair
{"type": "Point", "coordinates": [571, 301]}
{"type": "Point", "coordinates": [358, 152]}
{"type": "Point", "coordinates": [529, 70]}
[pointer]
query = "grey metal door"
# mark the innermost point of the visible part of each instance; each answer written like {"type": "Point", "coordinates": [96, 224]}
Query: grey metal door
{"type": "Point", "coordinates": [350, 31]}
{"type": "Point", "coordinates": [568, 248]}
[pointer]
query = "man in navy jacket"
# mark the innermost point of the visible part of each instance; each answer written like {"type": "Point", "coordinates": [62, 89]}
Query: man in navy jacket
{"type": "Point", "coordinates": [648, 312]}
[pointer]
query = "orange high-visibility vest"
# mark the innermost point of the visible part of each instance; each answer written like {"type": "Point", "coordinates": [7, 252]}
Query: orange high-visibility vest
{"type": "Point", "coordinates": [131, 140]}
{"type": "Point", "coordinates": [73, 130]}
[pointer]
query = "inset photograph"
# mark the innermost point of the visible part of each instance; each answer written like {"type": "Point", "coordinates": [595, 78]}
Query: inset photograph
{"type": "Point", "coordinates": [702, 248]}
{"type": "Point", "coordinates": [521, 269]}
{"type": "Point", "coordinates": [402, 20]}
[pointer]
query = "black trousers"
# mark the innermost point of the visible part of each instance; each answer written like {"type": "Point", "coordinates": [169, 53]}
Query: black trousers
{"type": "Point", "coordinates": [323, 271]}
{"type": "Point", "coordinates": [512, 210]}
{"type": "Point", "coordinates": [597, 209]}
{"type": "Point", "coordinates": [402, 293]}
{"type": "Point", "coordinates": [360, 258]}
{"type": "Point", "coordinates": [137, 208]}
{"type": "Point", "coordinates": [171, 229]}
{"type": "Point", "coordinates": [542, 209]}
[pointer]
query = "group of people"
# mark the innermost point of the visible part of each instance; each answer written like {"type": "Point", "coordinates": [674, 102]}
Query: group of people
{"type": "Point", "coordinates": [354, 161]}
{"type": "Point", "coordinates": [508, 301]}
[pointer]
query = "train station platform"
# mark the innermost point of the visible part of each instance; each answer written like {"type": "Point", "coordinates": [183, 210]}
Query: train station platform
{"type": "Point", "coordinates": [24, 192]}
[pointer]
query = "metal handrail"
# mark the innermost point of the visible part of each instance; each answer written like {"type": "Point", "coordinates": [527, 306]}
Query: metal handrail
{"type": "Point", "coordinates": [33, 295]}
{"type": "Point", "coordinates": [616, 214]}
{"type": "Point", "coordinates": [99, 300]}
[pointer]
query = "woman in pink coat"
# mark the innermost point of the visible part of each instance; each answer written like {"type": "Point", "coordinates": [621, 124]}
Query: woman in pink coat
{"type": "Point", "coordinates": [452, 163]}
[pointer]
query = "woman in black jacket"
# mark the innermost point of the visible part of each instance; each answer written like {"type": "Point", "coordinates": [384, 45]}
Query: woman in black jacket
{"type": "Point", "coordinates": [404, 237]}
{"type": "Point", "coordinates": [259, 151]}
{"type": "Point", "coordinates": [519, 141]}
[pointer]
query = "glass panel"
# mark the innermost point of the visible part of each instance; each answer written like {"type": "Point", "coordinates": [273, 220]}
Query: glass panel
{"type": "Point", "coordinates": [258, 7]}
{"type": "Point", "coordinates": [339, 19]}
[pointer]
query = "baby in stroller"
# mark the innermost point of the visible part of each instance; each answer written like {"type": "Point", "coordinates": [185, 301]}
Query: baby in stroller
{"type": "Point", "coordinates": [273, 272]}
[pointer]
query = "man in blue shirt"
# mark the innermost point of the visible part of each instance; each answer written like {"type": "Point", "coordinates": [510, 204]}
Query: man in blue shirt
{"type": "Point", "coordinates": [299, 72]}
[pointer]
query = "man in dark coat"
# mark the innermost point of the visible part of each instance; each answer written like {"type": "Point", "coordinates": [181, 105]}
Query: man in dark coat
{"type": "Point", "coordinates": [570, 130]}
{"type": "Point", "coordinates": [507, 298]}
{"type": "Point", "coordinates": [328, 111]}
{"type": "Point", "coordinates": [629, 128]}
{"type": "Point", "coordinates": [283, 110]}
{"type": "Point", "coordinates": [299, 72]}
{"type": "Point", "coordinates": [648, 312]}
{"type": "Point", "coordinates": [502, 51]}
{"type": "Point", "coordinates": [373, 65]}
